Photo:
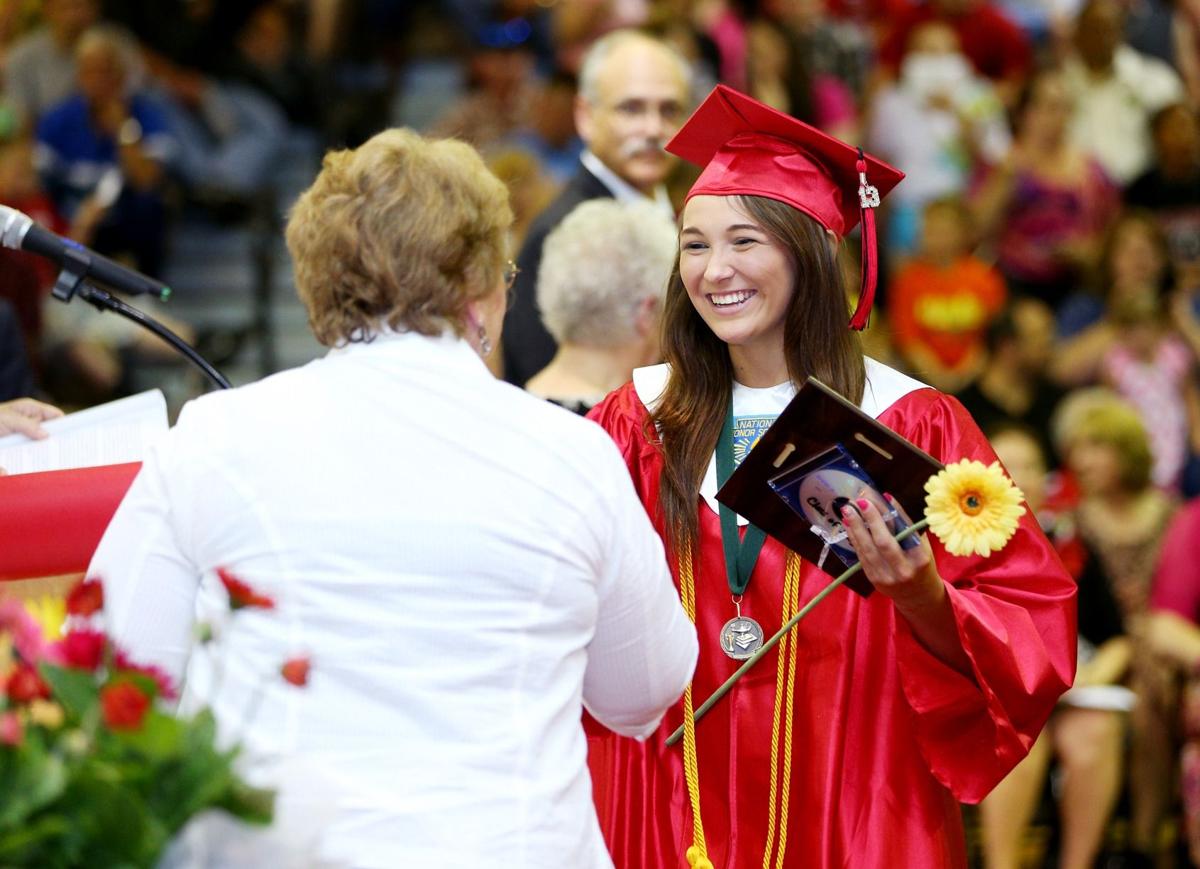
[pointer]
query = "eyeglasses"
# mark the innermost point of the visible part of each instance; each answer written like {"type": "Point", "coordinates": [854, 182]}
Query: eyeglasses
{"type": "Point", "coordinates": [511, 270]}
{"type": "Point", "coordinates": [634, 110]}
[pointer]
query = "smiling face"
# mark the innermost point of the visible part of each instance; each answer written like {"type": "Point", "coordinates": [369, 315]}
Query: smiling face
{"type": "Point", "coordinates": [739, 278]}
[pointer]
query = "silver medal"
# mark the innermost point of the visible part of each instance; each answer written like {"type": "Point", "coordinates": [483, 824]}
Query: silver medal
{"type": "Point", "coordinates": [741, 637]}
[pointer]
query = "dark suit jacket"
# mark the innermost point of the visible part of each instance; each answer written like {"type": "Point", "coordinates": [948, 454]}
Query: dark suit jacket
{"type": "Point", "coordinates": [528, 347]}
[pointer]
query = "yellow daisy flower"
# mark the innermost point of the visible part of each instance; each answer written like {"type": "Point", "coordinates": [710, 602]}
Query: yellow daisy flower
{"type": "Point", "coordinates": [972, 508]}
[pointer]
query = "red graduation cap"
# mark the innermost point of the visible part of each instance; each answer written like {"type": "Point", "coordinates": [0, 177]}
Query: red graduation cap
{"type": "Point", "coordinates": [748, 148]}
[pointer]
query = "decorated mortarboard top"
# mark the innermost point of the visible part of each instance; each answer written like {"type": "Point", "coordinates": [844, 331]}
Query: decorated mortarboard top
{"type": "Point", "coordinates": [748, 148]}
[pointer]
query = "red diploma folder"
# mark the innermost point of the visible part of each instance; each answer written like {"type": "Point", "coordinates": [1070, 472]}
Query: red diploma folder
{"type": "Point", "coordinates": [51, 522]}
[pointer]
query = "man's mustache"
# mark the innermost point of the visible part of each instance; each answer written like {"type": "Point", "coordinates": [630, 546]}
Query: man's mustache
{"type": "Point", "coordinates": [638, 147]}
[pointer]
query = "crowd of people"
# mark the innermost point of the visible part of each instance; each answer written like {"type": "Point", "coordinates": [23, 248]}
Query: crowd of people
{"type": "Point", "coordinates": [1040, 262]}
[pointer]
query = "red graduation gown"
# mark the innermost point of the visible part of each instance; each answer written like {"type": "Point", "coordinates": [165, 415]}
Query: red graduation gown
{"type": "Point", "coordinates": [886, 738]}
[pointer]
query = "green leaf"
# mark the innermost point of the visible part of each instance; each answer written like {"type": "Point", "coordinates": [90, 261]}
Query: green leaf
{"type": "Point", "coordinates": [33, 843]}
{"type": "Point", "coordinates": [30, 777]}
{"type": "Point", "coordinates": [252, 805]}
{"type": "Point", "coordinates": [75, 689]}
{"type": "Point", "coordinates": [202, 728]}
{"type": "Point", "coordinates": [112, 821]}
{"type": "Point", "coordinates": [160, 736]}
{"type": "Point", "coordinates": [199, 778]}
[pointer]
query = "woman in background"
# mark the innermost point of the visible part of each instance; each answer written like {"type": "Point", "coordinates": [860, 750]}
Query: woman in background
{"type": "Point", "coordinates": [1132, 345]}
{"type": "Point", "coordinates": [599, 288]}
{"type": "Point", "coordinates": [1122, 521]}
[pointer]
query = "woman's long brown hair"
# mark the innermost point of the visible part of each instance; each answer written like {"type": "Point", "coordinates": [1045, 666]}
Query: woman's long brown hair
{"type": "Point", "coordinates": [817, 342]}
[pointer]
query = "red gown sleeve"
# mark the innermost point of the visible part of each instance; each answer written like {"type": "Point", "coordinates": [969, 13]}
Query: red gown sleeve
{"type": "Point", "coordinates": [1015, 614]}
{"type": "Point", "coordinates": [624, 417]}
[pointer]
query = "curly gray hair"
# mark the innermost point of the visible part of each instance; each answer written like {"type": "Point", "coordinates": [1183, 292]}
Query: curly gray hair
{"type": "Point", "coordinates": [598, 267]}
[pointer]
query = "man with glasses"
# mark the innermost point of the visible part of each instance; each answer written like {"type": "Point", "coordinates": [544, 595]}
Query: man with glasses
{"type": "Point", "coordinates": [634, 92]}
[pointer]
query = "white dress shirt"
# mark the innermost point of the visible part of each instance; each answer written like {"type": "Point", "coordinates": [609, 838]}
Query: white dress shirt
{"type": "Point", "coordinates": [467, 566]}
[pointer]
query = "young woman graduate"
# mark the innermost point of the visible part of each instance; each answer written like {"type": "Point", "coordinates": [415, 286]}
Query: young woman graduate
{"type": "Point", "coordinates": [853, 741]}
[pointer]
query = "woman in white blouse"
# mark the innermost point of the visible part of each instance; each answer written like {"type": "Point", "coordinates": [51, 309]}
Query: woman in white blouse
{"type": "Point", "coordinates": [466, 565]}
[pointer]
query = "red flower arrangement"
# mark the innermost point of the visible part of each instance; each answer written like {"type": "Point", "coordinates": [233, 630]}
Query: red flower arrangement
{"type": "Point", "coordinates": [83, 740]}
{"type": "Point", "coordinates": [162, 682]}
{"type": "Point", "coordinates": [82, 649]}
{"type": "Point", "coordinates": [295, 671]}
{"type": "Point", "coordinates": [124, 705]}
{"type": "Point", "coordinates": [241, 595]}
{"type": "Point", "coordinates": [86, 598]}
{"type": "Point", "coordinates": [24, 685]}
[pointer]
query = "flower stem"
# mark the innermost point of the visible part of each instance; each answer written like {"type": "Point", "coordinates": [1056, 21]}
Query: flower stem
{"type": "Point", "coordinates": [715, 697]}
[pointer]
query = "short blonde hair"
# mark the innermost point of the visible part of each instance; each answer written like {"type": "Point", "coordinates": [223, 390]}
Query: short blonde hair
{"type": "Point", "coordinates": [1099, 415]}
{"type": "Point", "coordinates": [598, 267]}
{"type": "Point", "coordinates": [402, 232]}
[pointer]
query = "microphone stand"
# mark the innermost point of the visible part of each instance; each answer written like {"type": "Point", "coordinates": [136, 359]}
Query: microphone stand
{"type": "Point", "coordinates": [71, 282]}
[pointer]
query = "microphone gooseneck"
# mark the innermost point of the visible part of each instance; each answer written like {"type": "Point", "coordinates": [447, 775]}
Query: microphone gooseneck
{"type": "Point", "coordinates": [82, 267]}
{"type": "Point", "coordinates": [19, 232]}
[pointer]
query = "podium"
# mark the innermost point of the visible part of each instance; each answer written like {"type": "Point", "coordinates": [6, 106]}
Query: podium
{"type": "Point", "coordinates": [51, 523]}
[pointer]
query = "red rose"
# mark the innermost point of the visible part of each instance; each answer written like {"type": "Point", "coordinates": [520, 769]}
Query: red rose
{"type": "Point", "coordinates": [241, 594]}
{"type": "Point", "coordinates": [295, 670]}
{"type": "Point", "coordinates": [125, 664]}
{"type": "Point", "coordinates": [85, 598]}
{"type": "Point", "coordinates": [83, 650]}
{"type": "Point", "coordinates": [25, 685]}
{"type": "Point", "coordinates": [123, 705]}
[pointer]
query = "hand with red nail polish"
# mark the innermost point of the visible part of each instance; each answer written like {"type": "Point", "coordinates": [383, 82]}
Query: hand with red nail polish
{"type": "Point", "coordinates": [908, 576]}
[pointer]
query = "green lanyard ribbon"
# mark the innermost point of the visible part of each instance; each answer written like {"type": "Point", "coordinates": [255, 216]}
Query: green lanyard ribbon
{"type": "Point", "coordinates": [740, 555]}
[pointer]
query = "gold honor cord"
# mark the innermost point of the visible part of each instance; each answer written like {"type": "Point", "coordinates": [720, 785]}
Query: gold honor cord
{"type": "Point", "coordinates": [785, 680]}
{"type": "Point", "coordinates": [785, 673]}
{"type": "Point", "coordinates": [697, 854]}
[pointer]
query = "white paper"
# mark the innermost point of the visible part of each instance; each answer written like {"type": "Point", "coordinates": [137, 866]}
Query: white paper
{"type": "Point", "coordinates": [109, 434]}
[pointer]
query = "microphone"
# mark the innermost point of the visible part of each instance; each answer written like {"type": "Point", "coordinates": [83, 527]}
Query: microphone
{"type": "Point", "coordinates": [19, 232]}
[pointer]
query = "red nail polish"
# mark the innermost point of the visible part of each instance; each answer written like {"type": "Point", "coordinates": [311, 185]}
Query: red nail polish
{"type": "Point", "coordinates": [847, 511]}
{"type": "Point", "coordinates": [863, 503]}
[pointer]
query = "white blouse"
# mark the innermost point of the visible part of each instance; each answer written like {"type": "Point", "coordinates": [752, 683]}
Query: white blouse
{"type": "Point", "coordinates": [468, 566]}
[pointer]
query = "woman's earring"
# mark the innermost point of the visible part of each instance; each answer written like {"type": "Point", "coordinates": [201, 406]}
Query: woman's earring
{"type": "Point", "coordinates": [485, 343]}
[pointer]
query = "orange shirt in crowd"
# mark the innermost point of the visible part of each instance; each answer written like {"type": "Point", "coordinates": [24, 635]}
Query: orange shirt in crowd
{"type": "Point", "coordinates": [943, 311]}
